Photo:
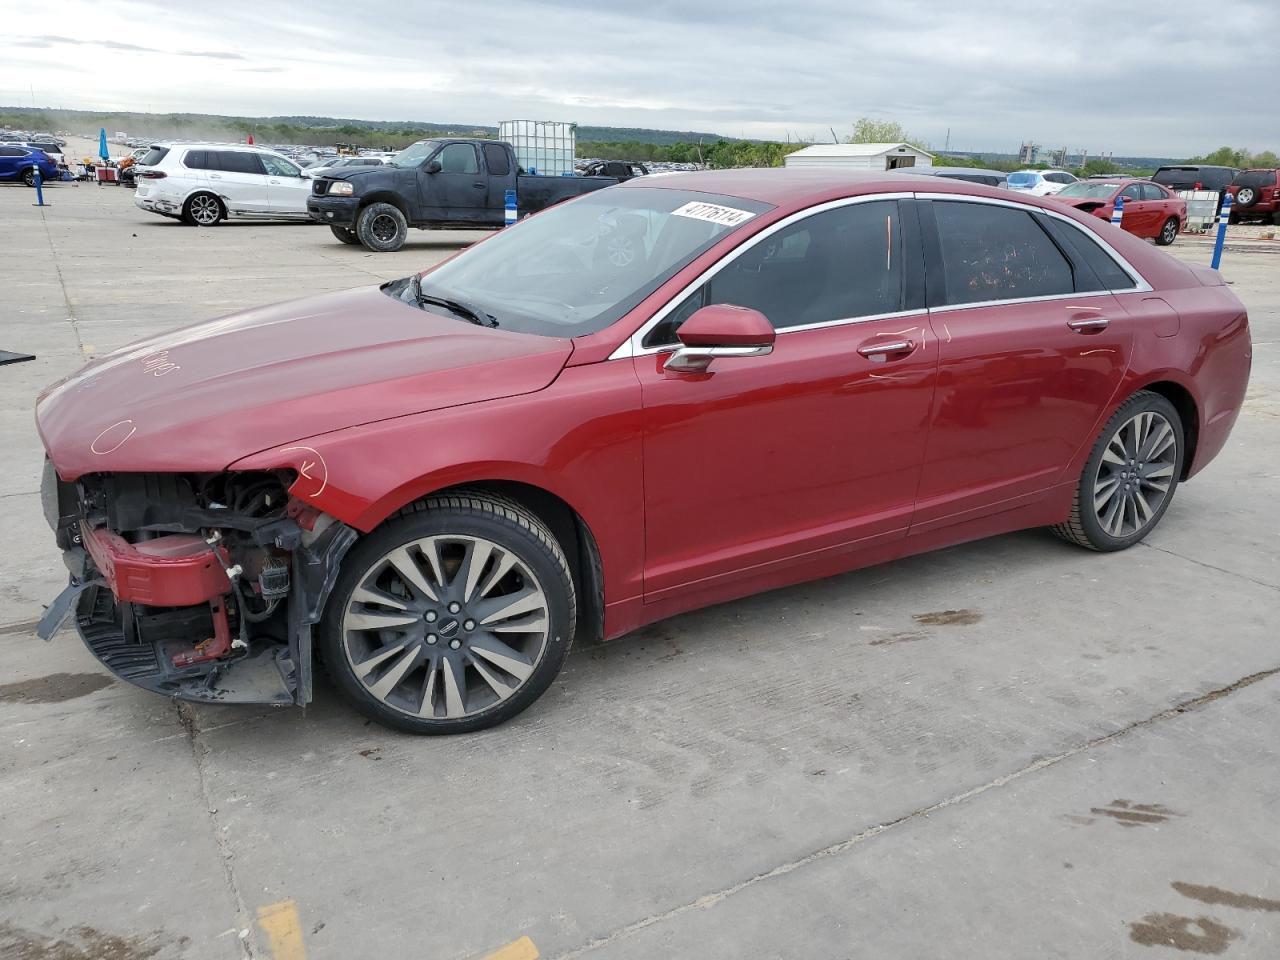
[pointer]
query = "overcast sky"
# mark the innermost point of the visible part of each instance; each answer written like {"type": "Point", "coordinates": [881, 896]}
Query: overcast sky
{"type": "Point", "coordinates": [1160, 78]}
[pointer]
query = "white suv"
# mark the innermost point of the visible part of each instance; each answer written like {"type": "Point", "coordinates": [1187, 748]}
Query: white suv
{"type": "Point", "coordinates": [203, 183]}
{"type": "Point", "coordinates": [1040, 183]}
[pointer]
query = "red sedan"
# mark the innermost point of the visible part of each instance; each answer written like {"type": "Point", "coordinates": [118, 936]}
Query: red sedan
{"type": "Point", "coordinates": [667, 394]}
{"type": "Point", "coordinates": [1150, 210]}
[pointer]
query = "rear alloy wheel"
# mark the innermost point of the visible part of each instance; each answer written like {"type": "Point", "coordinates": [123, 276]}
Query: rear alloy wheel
{"type": "Point", "coordinates": [202, 210]}
{"type": "Point", "coordinates": [29, 176]}
{"type": "Point", "coordinates": [1168, 233]}
{"type": "Point", "coordinates": [1129, 479]}
{"type": "Point", "coordinates": [382, 228]}
{"type": "Point", "coordinates": [453, 617]}
{"type": "Point", "coordinates": [346, 235]}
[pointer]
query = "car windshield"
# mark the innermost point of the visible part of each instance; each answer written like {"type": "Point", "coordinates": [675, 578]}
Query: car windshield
{"type": "Point", "coordinates": [1023, 179]}
{"type": "Point", "coordinates": [1095, 190]}
{"type": "Point", "coordinates": [415, 153]}
{"type": "Point", "coordinates": [581, 266]}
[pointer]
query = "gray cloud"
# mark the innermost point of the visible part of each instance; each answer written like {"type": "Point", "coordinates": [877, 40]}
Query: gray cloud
{"type": "Point", "coordinates": [1146, 80]}
{"type": "Point", "coordinates": [49, 40]}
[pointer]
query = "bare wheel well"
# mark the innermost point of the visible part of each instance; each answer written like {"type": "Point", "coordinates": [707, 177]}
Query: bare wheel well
{"type": "Point", "coordinates": [575, 538]}
{"type": "Point", "coordinates": [386, 197]}
{"type": "Point", "coordinates": [1185, 404]}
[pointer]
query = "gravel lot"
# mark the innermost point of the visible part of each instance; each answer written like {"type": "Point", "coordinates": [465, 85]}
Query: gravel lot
{"type": "Point", "coordinates": [1009, 749]}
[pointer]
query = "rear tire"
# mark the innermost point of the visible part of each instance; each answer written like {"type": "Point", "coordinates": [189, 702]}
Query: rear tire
{"type": "Point", "coordinates": [346, 235]}
{"type": "Point", "coordinates": [1233, 218]}
{"type": "Point", "coordinates": [382, 228]}
{"type": "Point", "coordinates": [453, 616]}
{"type": "Point", "coordinates": [29, 176]}
{"type": "Point", "coordinates": [1130, 477]}
{"type": "Point", "coordinates": [1168, 233]}
{"type": "Point", "coordinates": [203, 210]}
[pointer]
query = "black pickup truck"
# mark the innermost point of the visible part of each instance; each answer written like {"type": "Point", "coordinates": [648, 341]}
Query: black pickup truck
{"type": "Point", "coordinates": [435, 184]}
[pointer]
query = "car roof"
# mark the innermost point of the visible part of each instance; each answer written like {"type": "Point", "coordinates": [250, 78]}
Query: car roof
{"type": "Point", "coordinates": [794, 188]}
{"type": "Point", "coordinates": [942, 171]}
{"type": "Point", "coordinates": [205, 144]}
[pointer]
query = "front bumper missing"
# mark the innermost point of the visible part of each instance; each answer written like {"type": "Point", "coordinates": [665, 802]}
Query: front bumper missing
{"type": "Point", "coordinates": [265, 673]}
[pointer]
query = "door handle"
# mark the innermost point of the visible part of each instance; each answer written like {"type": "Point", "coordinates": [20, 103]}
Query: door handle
{"type": "Point", "coordinates": [277, 182]}
{"type": "Point", "coordinates": [887, 349]}
{"type": "Point", "coordinates": [480, 185]}
{"type": "Point", "coordinates": [1089, 325]}
{"type": "Point", "coordinates": [215, 176]}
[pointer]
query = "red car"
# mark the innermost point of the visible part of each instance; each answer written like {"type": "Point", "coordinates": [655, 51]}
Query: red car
{"type": "Point", "coordinates": [1255, 193]}
{"type": "Point", "coordinates": [659, 396]}
{"type": "Point", "coordinates": [1150, 210]}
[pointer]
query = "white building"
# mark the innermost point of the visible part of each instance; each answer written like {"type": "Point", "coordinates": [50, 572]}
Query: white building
{"type": "Point", "coordinates": [860, 156]}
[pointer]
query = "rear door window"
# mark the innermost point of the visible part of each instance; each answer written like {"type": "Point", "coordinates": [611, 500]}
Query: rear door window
{"type": "Point", "coordinates": [997, 253]}
{"type": "Point", "coordinates": [495, 158]}
{"type": "Point", "coordinates": [196, 160]}
{"type": "Point", "coordinates": [1152, 192]}
{"type": "Point", "coordinates": [1101, 271]}
{"type": "Point", "coordinates": [235, 161]}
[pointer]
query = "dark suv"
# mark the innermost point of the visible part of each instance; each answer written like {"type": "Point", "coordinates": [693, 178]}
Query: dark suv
{"type": "Point", "coordinates": [1194, 176]}
{"type": "Point", "coordinates": [1255, 194]}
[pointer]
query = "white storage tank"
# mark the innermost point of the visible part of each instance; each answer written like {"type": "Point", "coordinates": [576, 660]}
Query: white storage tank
{"type": "Point", "coordinates": [545, 147]}
{"type": "Point", "coordinates": [860, 156]}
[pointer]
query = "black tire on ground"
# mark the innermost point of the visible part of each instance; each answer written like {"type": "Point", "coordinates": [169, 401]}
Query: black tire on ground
{"type": "Point", "coordinates": [345, 234]}
{"type": "Point", "coordinates": [1085, 527]}
{"type": "Point", "coordinates": [29, 176]}
{"type": "Point", "coordinates": [203, 209]}
{"type": "Point", "coordinates": [382, 228]}
{"type": "Point", "coordinates": [1233, 218]}
{"type": "Point", "coordinates": [1168, 232]}
{"type": "Point", "coordinates": [496, 520]}
{"type": "Point", "coordinates": [1275, 218]}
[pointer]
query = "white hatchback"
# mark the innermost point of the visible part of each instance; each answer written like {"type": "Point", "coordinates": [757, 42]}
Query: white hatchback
{"type": "Point", "coordinates": [203, 183]}
{"type": "Point", "coordinates": [1040, 183]}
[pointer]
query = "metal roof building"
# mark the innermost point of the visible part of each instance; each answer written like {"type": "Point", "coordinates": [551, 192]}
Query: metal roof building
{"type": "Point", "coordinates": [860, 156]}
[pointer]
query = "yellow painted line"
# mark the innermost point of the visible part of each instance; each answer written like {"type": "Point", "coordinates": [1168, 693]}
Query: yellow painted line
{"type": "Point", "coordinates": [283, 927]}
{"type": "Point", "coordinates": [522, 949]}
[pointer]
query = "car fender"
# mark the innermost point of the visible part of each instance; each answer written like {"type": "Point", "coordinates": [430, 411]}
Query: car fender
{"type": "Point", "coordinates": [579, 440]}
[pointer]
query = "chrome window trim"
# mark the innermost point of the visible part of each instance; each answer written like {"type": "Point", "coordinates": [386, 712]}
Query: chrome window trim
{"type": "Point", "coordinates": [633, 346]}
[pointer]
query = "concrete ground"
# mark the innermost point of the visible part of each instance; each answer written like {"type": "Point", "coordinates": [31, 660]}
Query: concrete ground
{"type": "Point", "coordinates": [1009, 749]}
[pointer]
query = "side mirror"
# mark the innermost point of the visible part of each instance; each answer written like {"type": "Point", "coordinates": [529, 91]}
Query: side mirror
{"type": "Point", "coordinates": [432, 166]}
{"type": "Point", "coordinates": [720, 330]}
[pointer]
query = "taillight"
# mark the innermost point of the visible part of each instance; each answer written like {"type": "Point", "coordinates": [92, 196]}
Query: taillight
{"type": "Point", "coordinates": [151, 174]}
{"type": "Point", "coordinates": [1198, 186]}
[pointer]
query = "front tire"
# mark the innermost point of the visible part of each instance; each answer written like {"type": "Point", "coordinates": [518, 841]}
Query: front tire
{"type": "Point", "coordinates": [382, 228]}
{"type": "Point", "coordinates": [453, 616]}
{"type": "Point", "coordinates": [1168, 233]}
{"type": "Point", "coordinates": [345, 234]}
{"type": "Point", "coordinates": [202, 210]}
{"type": "Point", "coordinates": [1130, 476]}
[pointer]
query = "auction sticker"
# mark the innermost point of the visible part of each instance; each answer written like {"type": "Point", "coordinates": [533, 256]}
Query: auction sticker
{"type": "Point", "coordinates": [713, 213]}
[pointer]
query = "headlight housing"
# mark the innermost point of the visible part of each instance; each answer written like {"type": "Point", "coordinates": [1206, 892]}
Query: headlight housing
{"type": "Point", "coordinates": [340, 188]}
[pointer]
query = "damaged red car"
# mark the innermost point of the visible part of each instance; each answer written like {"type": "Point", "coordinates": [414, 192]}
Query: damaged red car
{"type": "Point", "coordinates": [662, 395]}
{"type": "Point", "coordinates": [1150, 210]}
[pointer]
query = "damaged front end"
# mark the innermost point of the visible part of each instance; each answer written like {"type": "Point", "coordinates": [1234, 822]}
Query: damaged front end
{"type": "Point", "coordinates": [203, 587]}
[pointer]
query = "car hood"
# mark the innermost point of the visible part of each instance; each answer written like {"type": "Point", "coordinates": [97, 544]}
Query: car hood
{"type": "Point", "coordinates": [200, 398]}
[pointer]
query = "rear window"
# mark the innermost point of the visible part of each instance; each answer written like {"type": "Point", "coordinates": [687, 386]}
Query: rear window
{"type": "Point", "coordinates": [1023, 179]}
{"type": "Point", "coordinates": [1255, 178]}
{"type": "Point", "coordinates": [154, 156]}
{"type": "Point", "coordinates": [996, 253]}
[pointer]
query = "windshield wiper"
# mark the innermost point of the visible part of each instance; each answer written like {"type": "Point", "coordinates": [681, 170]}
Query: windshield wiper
{"type": "Point", "coordinates": [456, 307]}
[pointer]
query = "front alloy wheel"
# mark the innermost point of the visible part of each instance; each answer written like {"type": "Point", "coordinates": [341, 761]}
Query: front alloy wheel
{"type": "Point", "coordinates": [453, 618]}
{"type": "Point", "coordinates": [1130, 476]}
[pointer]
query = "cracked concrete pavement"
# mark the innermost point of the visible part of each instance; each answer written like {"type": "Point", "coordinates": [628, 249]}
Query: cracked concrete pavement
{"type": "Point", "coordinates": [1079, 760]}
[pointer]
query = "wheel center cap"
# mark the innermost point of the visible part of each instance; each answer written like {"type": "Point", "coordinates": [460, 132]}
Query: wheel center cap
{"type": "Point", "coordinates": [449, 628]}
